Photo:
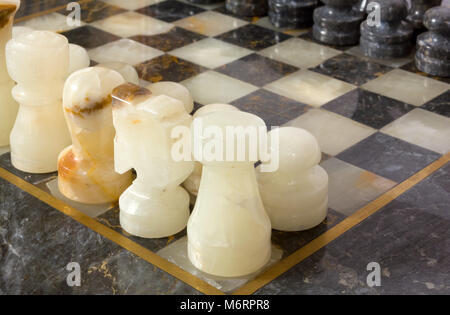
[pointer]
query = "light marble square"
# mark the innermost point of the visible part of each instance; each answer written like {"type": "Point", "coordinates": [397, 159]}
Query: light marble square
{"type": "Point", "coordinates": [132, 4]}
{"type": "Point", "coordinates": [213, 87]}
{"type": "Point", "coordinates": [210, 23]}
{"type": "Point", "coordinates": [351, 188]}
{"type": "Point", "coordinates": [310, 88]}
{"type": "Point", "coordinates": [407, 87]}
{"type": "Point", "coordinates": [265, 22]}
{"type": "Point", "coordinates": [204, 6]}
{"type": "Point", "coordinates": [335, 133]}
{"type": "Point", "coordinates": [211, 53]}
{"type": "Point", "coordinates": [394, 62]}
{"type": "Point", "coordinates": [54, 22]}
{"type": "Point", "coordinates": [423, 128]}
{"type": "Point", "coordinates": [131, 24]}
{"type": "Point", "coordinates": [300, 53]}
{"type": "Point", "coordinates": [124, 50]}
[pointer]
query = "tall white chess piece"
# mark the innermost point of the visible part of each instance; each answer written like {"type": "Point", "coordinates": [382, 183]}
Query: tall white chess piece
{"type": "Point", "coordinates": [154, 205]}
{"type": "Point", "coordinates": [8, 106]}
{"type": "Point", "coordinates": [296, 194]}
{"type": "Point", "coordinates": [229, 232]}
{"type": "Point", "coordinates": [86, 168]}
{"type": "Point", "coordinates": [38, 61]}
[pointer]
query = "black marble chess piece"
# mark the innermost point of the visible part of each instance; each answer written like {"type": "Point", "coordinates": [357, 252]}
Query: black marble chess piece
{"type": "Point", "coordinates": [247, 7]}
{"type": "Point", "coordinates": [292, 13]}
{"type": "Point", "coordinates": [337, 23]}
{"type": "Point", "coordinates": [417, 11]}
{"type": "Point", "coordinates": [391, 35]}
{"type": "Point", "coordinates": [433, 47]}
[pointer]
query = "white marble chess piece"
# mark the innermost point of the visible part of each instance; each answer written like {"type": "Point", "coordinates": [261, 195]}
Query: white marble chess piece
{"type": "Point", "coordinates": [38, 61]}
{"type": "Point", "coordinates": [192, 183]}
{"type": "Point", "coordinates": [229, 232]}
{"type": "Point", "coordinates": [296, 194]}
{"type": "Point", "coordinates": [8, 106]}
{"type": "Point", "coordinates": [20, 30]}
{"type": "Point", "coordinates": [86, 168]}
{"type": "Point", "coordinates": [127, 71]}
{"type": "Point", "coordinates": [79, 58]}
{"type": "Point", "coordinates": [175, 90]}
{"type": "Point", "coordinates": [155, 205]}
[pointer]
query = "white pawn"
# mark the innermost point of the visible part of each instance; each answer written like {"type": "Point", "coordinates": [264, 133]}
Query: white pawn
{"type": "Point", "coordinates": [8, 106]}
{"type": "Point", "coordinates": [127, 71]}
{"type": "Point", "coordinates": [20, 30]}
{"type": "Point", "coordinates": [38, 61]}
{"type": "Point", "coordinates": [229, 232]}
{"type": "Point", "coordinates": [86, 168]}
{"type": "Point", "coordinates": [155, 205]}
{"type": "Point", "coordinates": [296, 194]}
{"type": "Point", "coordinates": [192, 183]}
{"type": "Point", "coordinates": [79, 58]}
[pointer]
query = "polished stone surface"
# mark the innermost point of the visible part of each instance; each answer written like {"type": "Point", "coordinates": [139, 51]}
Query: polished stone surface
{"type": "Point", "coordinates": [170, 10]}
{"type": "Point", "coordinates": [94, 10]}
{"type": "Point", "coordinates": [89, 37]}
{"type": "Point", "coordinates": [247, 7]}
{"type": "Point", "coordinates": [292, 13]}
{"type": "Point", "coordinates": [408, 238]}
{"type": "Point", "coordinates": [439, 105]}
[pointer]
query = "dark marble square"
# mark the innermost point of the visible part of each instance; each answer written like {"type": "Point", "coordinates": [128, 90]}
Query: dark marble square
{"type": "Point", "coordinates": [351, 69]}
{"type": "Point", "coordinates": [411, 67]}
{"type": "Point", "coordinates": [222, 9]}
{"type": "Point", "coordinates": [256, 69]}
{"type": "Point", "coordinates": [368, 108]}
{"type": "Point", "coordinates": [93, 10]}
{"type": "Point", "coordinates": [439, 105]}
{"type": "Point", "coordinates": [274, 109]}
{"type": "Point", "coordinates": [30, 7]}
{"type": "Point", "coordinates": [175, 38]}
{"type": "Point", "coordinates": [170, 10]}
{"type": "Point", "coordinates": [253, 37]}
{"type": "Point", "coordinates": [89, 37]}
{"type": "Point", "coordinates": [168, 68]}
{"type": "Point", "coordinates": [309, 36]}
{"type": "Point", "coordinates": [389, 157]}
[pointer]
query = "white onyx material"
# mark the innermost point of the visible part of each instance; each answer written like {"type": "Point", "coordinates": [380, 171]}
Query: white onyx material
{"type": "Point", "coordinates": [79, 58]}
{"type": "Point", "coordinates": [192, 183]}
{"type": "Point", "coordinates": [86, 168]}
{"type": "Point", "coordinates": [20, 30]}
{"type": "Point", "coordinates": [38, 62]}
{"type": "Point", "coordinates": [229, 231]}
{"type": "Point", "coordinates": [174, 90]}
{"type": "Point", "coordinates": [296, 195]}
{"type": "Point", "coordinates": [127, 71]}
{"type": "Point", "coordinates": [8, 106]}
{"type": "Point", "coordinates": [154, 206]}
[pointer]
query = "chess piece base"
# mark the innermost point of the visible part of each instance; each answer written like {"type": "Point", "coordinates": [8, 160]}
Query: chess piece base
{"type": "Point", "coordinates": [206, 2]}
{"type": "Point", "coordinates": [380, 51]}
{"type": "Point", "coordinates": [433, 54]}
{"type": "Point", "coordinates": [154, 214]}
{"type": "Point", "coordinates": [291, 14]}
{"type": "Point", "coordinates": [247, 8]}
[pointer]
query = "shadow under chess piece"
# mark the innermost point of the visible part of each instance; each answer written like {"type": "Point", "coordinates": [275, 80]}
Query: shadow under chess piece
{"type": "Point", "coordinates": [295, 196]}
{"type": "Point", "coordinates": [433, 47]}
{"type": "Point", "coordinates": [417, 12]}
{"type": "Point", "coordinates": [292, 13]}
{"type": "Point", "coordinates": [337, 23]}
{"type": "Point", "coordinates": [86, 168]}
{"type": "Point", "coordinates": [8, 106]}
{"type": "Point", "coordinates": [38, 61]}
{"type": "Point", "coordinates": [247, 7]}
{"type": "Point", "coordinates": [391, 38]}
{"type": "Point", "coordinates": [229, 232]}
{"type": "Point", "coordinates": [155, 205]}
{"type": "Point", "coordinates": [205, 2]}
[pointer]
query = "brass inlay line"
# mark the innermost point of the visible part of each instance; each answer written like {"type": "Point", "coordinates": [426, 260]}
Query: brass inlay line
{"type": "Point", "coordinates": [112, 235]}
{"type": "Point", "coordinates": [40, 13]}
{"type": "Point", "coordinates": [333, 233]}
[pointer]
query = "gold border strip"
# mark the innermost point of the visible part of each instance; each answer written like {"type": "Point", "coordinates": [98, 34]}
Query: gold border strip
{"type": "Point", "coordinates": [112, 235]}
{"type": "Point", "coordinates": [40, 13]}
{"type": "Point", "coordinates": [333, 233]}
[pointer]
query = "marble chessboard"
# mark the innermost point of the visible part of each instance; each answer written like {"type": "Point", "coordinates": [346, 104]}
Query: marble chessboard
{"type": "Point", "coordinates": [383, 127]}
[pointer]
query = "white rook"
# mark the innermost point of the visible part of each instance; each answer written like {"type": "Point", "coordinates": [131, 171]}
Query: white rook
{"type": "Point", "coordinates": [38, 61]}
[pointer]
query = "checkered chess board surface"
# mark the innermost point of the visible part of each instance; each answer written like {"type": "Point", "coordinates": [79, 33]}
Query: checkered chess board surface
{"type": "Point", "coordinates": [378, 122]}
